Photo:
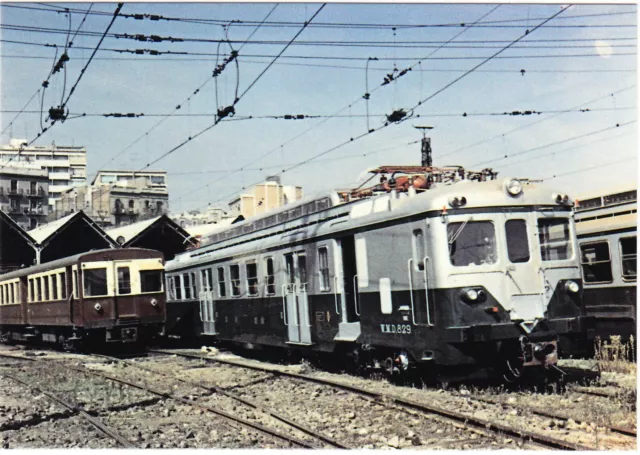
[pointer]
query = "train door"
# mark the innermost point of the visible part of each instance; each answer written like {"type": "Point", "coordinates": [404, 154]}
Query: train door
{"type": "Point", "coordinates": [350, 280]}
{"type": "Point", "coordinates": [525, 283]}
{"type": "Point", "coordinates": [422, 308]}
{"type": "Point", "coordinates": [296, 300]}
{"type": "Point", "coordinates": [124, 306]}
{"type": "Point", "coordinates": [207, 303]}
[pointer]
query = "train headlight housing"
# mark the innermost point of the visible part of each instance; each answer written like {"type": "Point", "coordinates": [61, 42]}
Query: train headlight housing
{"type": "Point", "coordinates": [513, 187]}
{"type": "Point", "coordinates": [473, 295]}
{"type": "Point", "coordinates": [154, 302]}
{"type": "Point", "coordinates": [572, 286]}
{"type": "Point", "coordinates": [457, 201]}
{"type": "Point", "coordinates": [97, 307]}
{"type": "Point", "coordinates": [561, 199]}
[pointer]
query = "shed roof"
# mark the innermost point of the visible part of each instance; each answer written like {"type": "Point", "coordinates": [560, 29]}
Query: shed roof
{"type": "Point", "coordinates": [132, 230]}
{"type": "Point", "coordinates": [43, 232]}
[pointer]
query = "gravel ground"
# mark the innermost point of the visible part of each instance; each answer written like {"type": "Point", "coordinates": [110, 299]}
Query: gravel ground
{"type": "Point", "coordinates": [148, 421]}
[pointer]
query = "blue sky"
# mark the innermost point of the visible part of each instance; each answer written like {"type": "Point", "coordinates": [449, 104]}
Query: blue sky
{"type": "Point", "coordinates": [553, 82]}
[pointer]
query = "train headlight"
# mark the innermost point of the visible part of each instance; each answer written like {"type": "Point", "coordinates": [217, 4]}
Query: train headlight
{"type": "Point", "coordinates": [514, 187]}
{"type": "Point", "coordinates": [572, 286]}
{"type": "Point", "coordinates": [471, 294]}
{"type": "Point", "coordinates": [97, 307]}
{"type": "Point", "coordinates": [154, 302]}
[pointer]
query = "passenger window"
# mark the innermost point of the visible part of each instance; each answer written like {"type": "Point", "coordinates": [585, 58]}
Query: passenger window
{"type": "Point", "coordinates": [63, 285]}
{"type": "Point", "coordinates": [45, 288]}
{"type": "Point", "coordinates": [472, 243]}
{"type": "Point", "coordinates": [596, 263]}
{"type": "Point", "coordinates": [235, 279]}
{"type": "Point", "coordinates": [124, 280]}
{"type": "Point", "coordinates": [270, 278]}
{"type": "Point", "coordinates": [38, 289]}
{"type": "Point", "coordinates": [418, 249]}
{"type": "Point", "coordinates": [54, 287]}
{"type": "Point", "coordinates": [76, 284]}
{"type": "Point", "coordinates": [252, 278]}
{"type": "Point", "coordinates": [2, 302]}
{"type": "Point", "coordinates": [186, 282]}
{"type": "Point", "coordinates": [13, 295]}
{"type": "Point", "coordinates": [150, 280]}
{"type": "Point", "coordinates": [323, 266]}
{"type": "Point", "coordinates": [222, 288]}
{"type": "Point", "coordinates": [95, 282]}
{"type": "Point", "coordinates": [555, 239]}
{"type": "Point", "coordinates": [628, 255]}
{"type": "Point", "coordinates": [31, 295]}
{"type": "Point", "coordinates": [517, 241]}
{"type": "Point", "coordinates": [302, 271]}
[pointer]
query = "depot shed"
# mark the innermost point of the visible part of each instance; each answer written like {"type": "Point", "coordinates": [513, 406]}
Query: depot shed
{"type": "Point", "coordinates": [17, 247]}
{"type": "Point", "coordinates": [160, 233]}
{"type": "Point", "coordinates": [72, 234]}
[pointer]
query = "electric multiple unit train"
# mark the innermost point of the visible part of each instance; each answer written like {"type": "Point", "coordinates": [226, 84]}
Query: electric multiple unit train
{"type": "Point", "coordinates": [102, 296]}
{"type": "Point", "coordinates": [439, 267]}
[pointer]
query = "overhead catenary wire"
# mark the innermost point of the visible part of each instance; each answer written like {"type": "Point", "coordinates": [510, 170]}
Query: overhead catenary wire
{"type": "Point", "coordinates": [63, 105]}
{"type": "Point", "coordinates": [237, 100]}
{"type": "Point", "coordinates": [249, 23]}
{"type": "Point", "coordinates": [519, 128]}
{"type": "Point", "coordinates": [296, 117]}
{"type": "Point", "coordinates": [348, 106]}
{"type": "Point", "coordinates": [178, 106]}
{"type": "Point", "coordinates": [589, 168]}
{"type": "Point", "coordinates": [562, 141]}
{"type": "Point", "coordinates": [420, 102]}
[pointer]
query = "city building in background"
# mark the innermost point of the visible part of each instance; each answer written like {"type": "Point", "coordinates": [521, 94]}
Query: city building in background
{"type": "Point", "coordinates": [24, 194]}
{"type": "Point", "coordinates": [189, 218]}
{"type": "Point", "coordinates": [264, 197]}
{"type": "Point", "coordinates": [117, 198]}
{"type": "Point", "coordinates": [66, 165]}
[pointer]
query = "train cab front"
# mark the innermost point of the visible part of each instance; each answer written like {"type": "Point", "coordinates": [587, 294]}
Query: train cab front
{"type": "Point", "coordinates": [511, 291]}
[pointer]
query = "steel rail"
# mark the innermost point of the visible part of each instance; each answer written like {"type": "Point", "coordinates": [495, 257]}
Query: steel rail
{"type": "Point", "coordinates": [255, 426]}
{"type": "Point", "coordinates": [544, 413]}
{"type": "Point", "coordinates": [75, 409]}
{"type": "Point", "coordinates": [431, 409]}
{"type": "Point", "coordinates": [221, 413]}
{"type": "Point", "coordinates": [233, 396]}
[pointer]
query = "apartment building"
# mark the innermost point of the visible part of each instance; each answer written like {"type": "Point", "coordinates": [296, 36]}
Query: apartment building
{"type": "Point", "coordinates": [264, 197]}
{"type": "Point", "coordinates": [24, 194]}
{"type": "Point", "coordinates": [66, 165]}
{"type": "Point", "coordinates": [117, 198]}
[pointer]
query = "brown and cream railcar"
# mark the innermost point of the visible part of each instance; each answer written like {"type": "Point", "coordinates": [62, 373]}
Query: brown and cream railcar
{"type": "Point", "coordinates": [112, 295]}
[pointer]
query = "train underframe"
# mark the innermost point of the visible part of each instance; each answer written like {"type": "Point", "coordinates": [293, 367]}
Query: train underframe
{"type": "Point", "coordinates": [82, 338]}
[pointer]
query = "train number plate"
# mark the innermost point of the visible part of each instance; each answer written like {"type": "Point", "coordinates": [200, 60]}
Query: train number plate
{"type": "Point", "coordinates": [402, 329]}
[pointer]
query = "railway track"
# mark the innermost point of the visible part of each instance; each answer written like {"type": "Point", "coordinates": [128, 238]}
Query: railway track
{"type": "Point", "coordinates": [71, 407]}
{"type": "Point", "coordinates": [553, 415]}
{"type": "Point", "coordinates": [215, 389]}
{"type": "Point", "coordinates": [225, 415]}
{"type": "Point", "coordinates": [498, 428]}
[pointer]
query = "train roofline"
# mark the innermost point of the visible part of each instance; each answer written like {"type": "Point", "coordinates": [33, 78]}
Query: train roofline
{"type": "Point", "coordinates": [69, 260]}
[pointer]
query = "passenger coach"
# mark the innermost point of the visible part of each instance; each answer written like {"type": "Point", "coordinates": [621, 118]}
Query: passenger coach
{"type": "Point", "coordinates": [439, 267]}
{"type": "Point", "coordinates": [112, 295]}
{"type": "Point", "coordinates": [607, 237]}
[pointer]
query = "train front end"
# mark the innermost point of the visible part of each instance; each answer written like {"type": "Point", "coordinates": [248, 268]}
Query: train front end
{"type": "Point", "coordinates": [123, 299]}
{"type": "Point", "coordinates": [506, 289]}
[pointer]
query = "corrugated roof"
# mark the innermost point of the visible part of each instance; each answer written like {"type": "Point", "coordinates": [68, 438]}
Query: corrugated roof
{"type": "Point", "coordinates": [42, 233]}
{"type": "Point", "coordinates": [131, 230]}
